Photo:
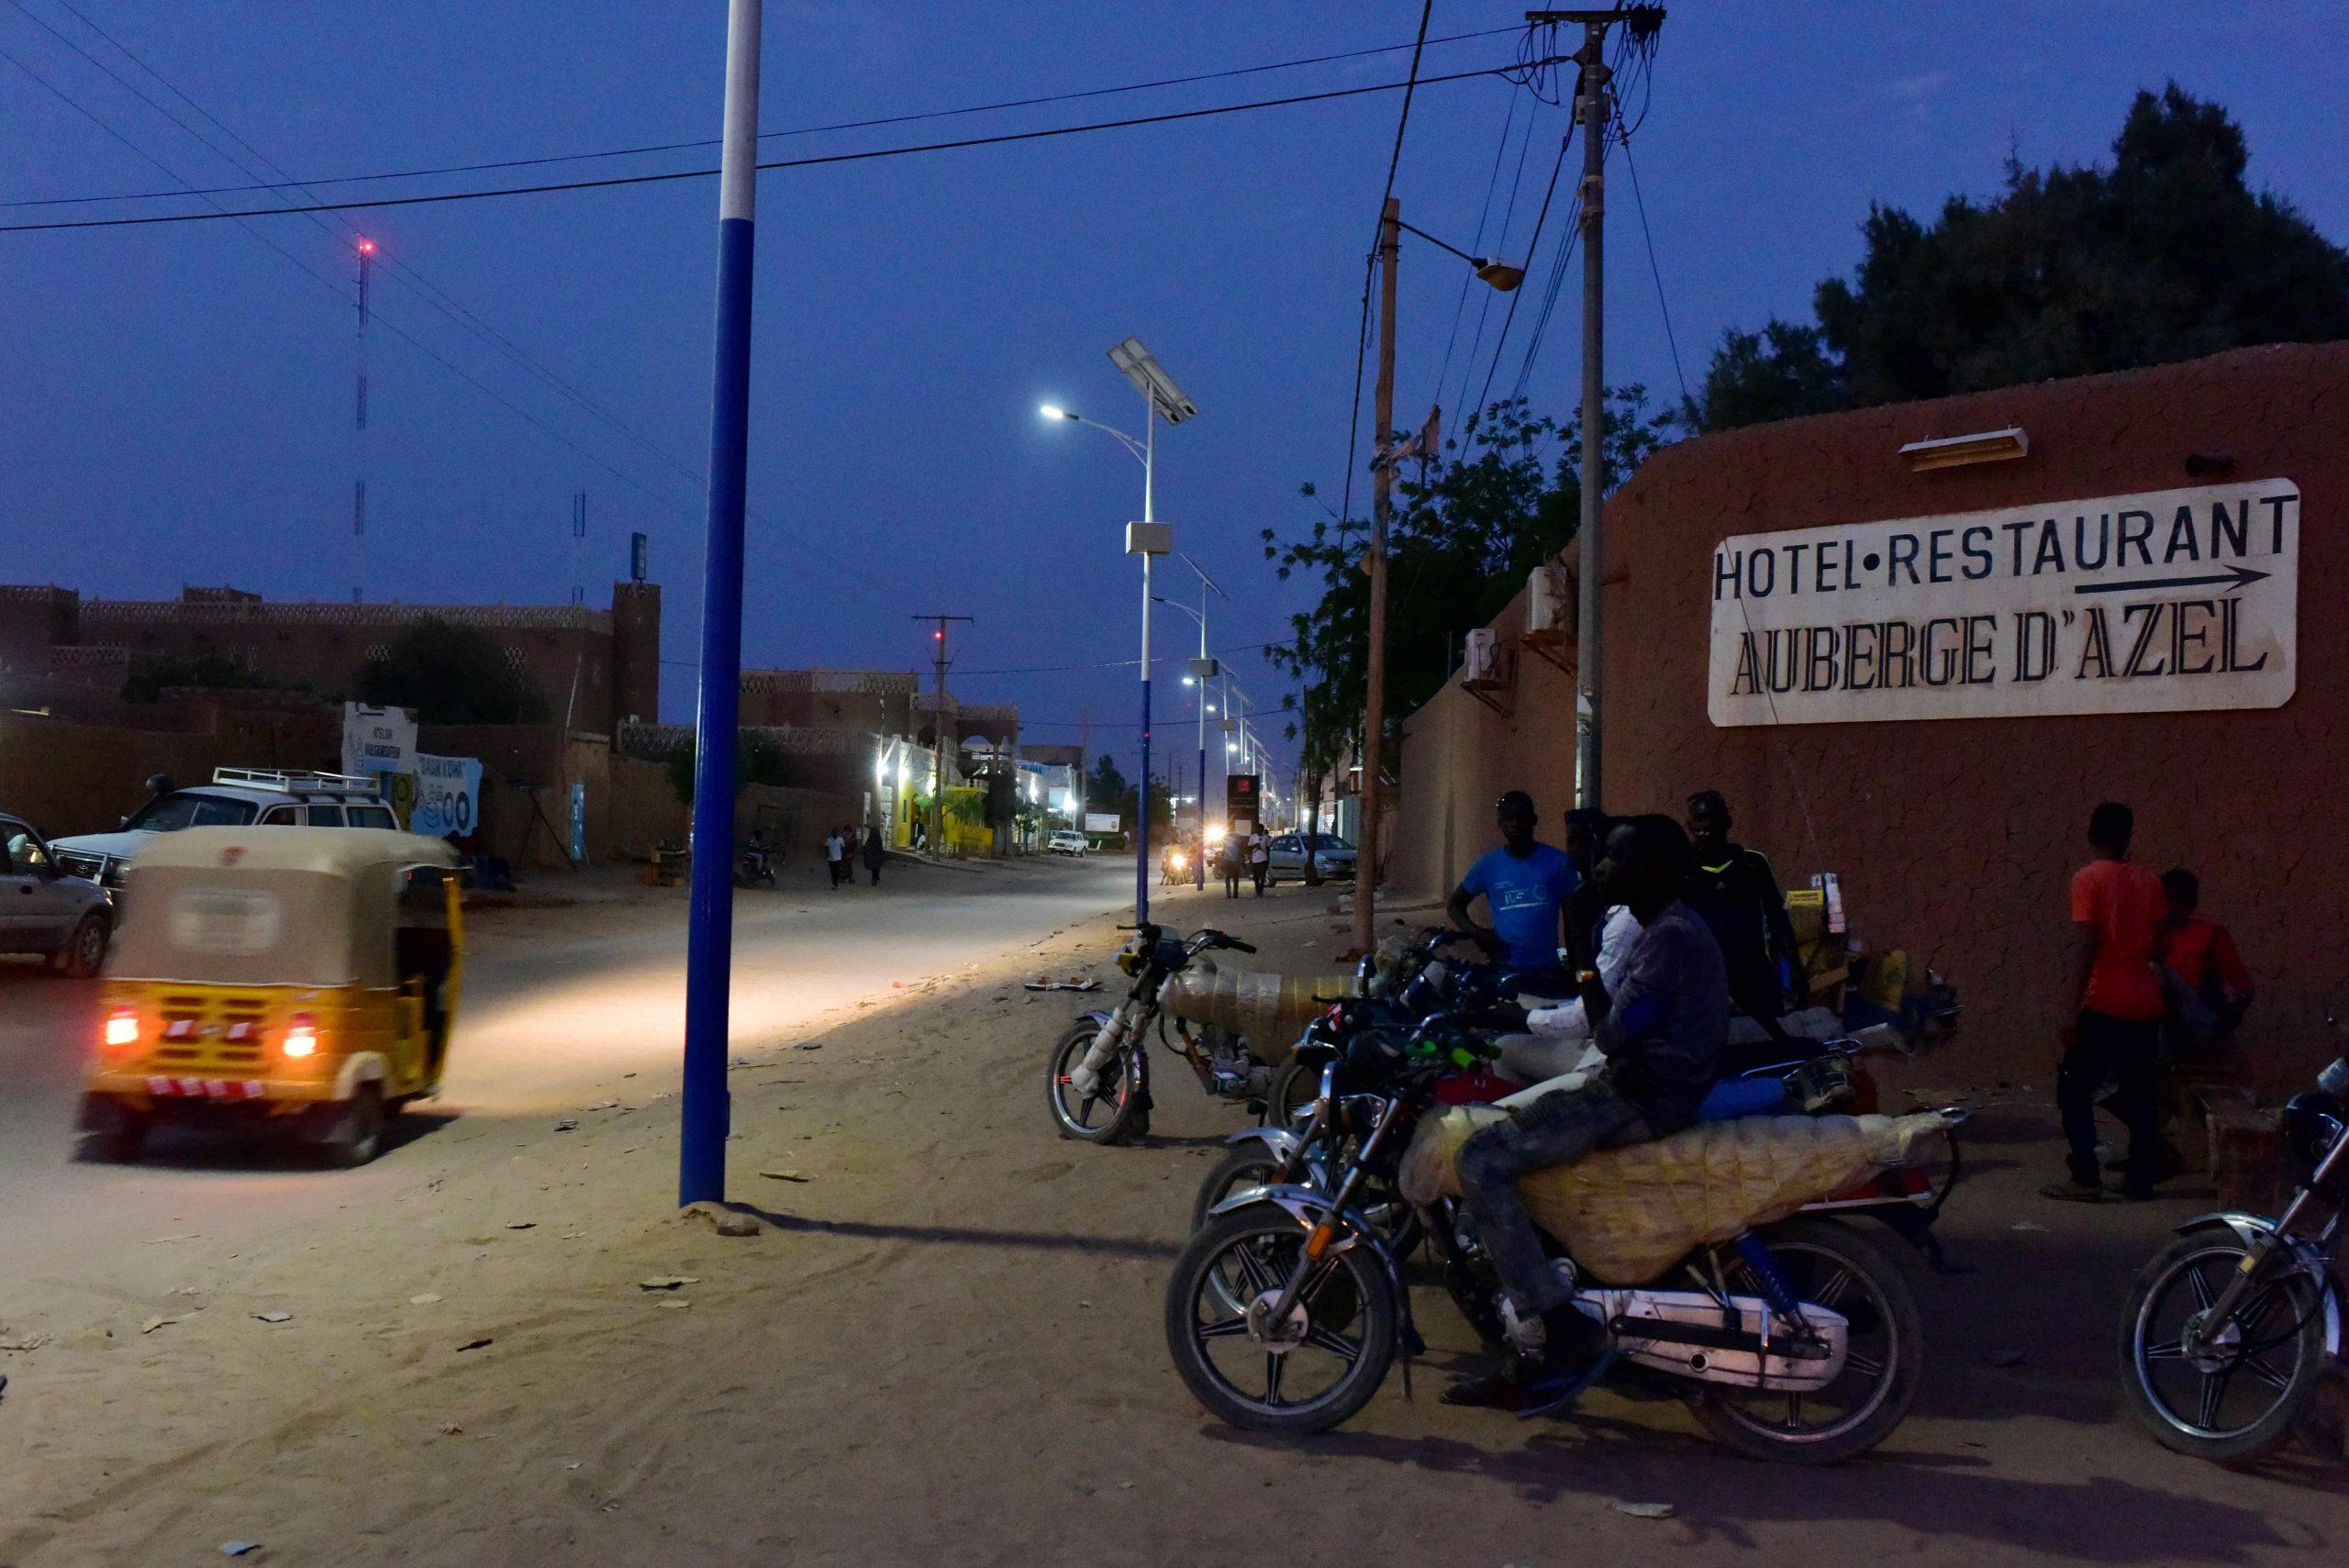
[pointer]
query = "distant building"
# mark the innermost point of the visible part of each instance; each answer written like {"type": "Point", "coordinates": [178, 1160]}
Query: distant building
{"type": "Point", "coordinates": [595, 670]}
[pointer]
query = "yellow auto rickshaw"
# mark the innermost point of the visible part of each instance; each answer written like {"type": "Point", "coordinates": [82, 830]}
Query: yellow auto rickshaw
{"type": "Point", "coordinates": [301, 977]}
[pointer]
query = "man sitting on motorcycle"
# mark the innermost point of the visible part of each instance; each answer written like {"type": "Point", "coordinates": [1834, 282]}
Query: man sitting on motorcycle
{"type": "Point", "coordinates": [1663, 1026]}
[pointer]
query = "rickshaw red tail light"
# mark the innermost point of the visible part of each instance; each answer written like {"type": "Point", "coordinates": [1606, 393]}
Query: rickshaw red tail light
{"type": "Point", "coordinates": [122, 1029]}
{"type": "Point", "coordinates": [301, 1036]}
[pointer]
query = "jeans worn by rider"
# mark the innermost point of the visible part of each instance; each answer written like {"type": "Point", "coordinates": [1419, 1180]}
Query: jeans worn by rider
{"type": "Point", "coordinates": [1664, 1037]}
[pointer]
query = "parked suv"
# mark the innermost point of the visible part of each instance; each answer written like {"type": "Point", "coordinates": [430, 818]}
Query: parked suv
{"type": "Point", "coordinates": [66, 920]}
{"type": "Point", "coordinates": [1067, 841]}
{"type": "Point", "coordinates": [236, 796]}
{"type": "Point", "coordinates": [1331, 853]}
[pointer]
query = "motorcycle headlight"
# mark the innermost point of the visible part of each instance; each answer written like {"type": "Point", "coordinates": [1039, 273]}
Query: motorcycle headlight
{"type": "Point", "coordinates": [2312, 1124]}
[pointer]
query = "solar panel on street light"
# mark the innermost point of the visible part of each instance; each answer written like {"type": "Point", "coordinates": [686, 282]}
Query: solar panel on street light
{"type": "Point", "coordinates": [1141, 367]}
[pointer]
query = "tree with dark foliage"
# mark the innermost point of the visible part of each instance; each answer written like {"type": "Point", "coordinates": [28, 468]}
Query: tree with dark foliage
{"type": "Point", "coordinates": [451, 675]}
{"type": "Point", "coordinates": [2167, 255]}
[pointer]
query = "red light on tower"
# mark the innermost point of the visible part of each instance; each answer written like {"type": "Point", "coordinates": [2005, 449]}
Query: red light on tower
{"type": "Point", "coordinates": [367, 247]}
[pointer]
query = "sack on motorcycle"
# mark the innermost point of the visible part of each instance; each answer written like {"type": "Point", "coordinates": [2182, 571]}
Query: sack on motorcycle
{"type": "Point", "coordinates": [1627, 1215]}
{"type": "Point", "coordinates": [1271, 1010]}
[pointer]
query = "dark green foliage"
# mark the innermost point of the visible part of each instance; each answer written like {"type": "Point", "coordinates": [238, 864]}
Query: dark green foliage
{"type": "Point", "coordinates": [451, 675]}
{"type": "Point", "coordinates": [151, 678]}
{"type": "Point", "coordinates": [1468, 528]}
{"type": "Point", "coordinates": [757, 760]}
{"type": "Point", "coordinates": [2167, 255]}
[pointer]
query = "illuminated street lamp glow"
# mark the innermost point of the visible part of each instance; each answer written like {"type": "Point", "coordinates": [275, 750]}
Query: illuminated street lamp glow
{"type": "Point", "coordinates": [1051, 411]}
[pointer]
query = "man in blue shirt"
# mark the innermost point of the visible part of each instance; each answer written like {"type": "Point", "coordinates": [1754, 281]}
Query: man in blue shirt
{"type": "Point", "coordinates": [1524, 884]}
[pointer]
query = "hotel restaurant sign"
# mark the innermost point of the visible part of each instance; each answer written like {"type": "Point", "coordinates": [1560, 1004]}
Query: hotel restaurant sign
{"type": "Point", "coordinates": [2156, 603]}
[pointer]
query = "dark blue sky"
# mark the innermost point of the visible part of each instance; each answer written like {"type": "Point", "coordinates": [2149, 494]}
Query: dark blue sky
{"type": "Point", "coordinates": [175, 400]}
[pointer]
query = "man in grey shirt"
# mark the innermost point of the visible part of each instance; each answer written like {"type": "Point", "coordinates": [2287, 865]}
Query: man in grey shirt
{"type": "Point", "coordinates": [1663, 1026]}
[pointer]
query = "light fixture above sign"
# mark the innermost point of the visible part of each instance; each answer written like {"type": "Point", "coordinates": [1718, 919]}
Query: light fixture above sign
{"type": "Point", "coordinates": [1958, 451]}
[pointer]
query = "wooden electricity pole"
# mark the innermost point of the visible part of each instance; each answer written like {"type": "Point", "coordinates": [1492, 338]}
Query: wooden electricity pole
{"type": "Point", "coordinates": [1374, 723]}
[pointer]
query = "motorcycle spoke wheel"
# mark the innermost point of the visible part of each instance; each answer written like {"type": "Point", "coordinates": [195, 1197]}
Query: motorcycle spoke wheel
{"type": "Point", "coordinates": [1828, 1266]}
{"type": "Point", "coordinates": [1101, 1116]}
{"type": "Point", "coordinates": [2228, 1391]}
{"type": "Point", "coordinates": [1308, 1372]}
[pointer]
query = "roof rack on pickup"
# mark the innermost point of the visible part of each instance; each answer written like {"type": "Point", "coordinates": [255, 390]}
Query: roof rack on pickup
{"type": "Point", "coordinates": [298, 782]}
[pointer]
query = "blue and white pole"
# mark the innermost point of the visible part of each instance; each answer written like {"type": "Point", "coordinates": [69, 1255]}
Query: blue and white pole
{"type": "Point", "coordinates": [1141, 791]}
{"type": "Point", "coordinates": [709, 952]}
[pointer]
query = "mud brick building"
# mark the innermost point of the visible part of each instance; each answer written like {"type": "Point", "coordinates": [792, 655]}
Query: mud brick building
{"type": "Point", "coordinates": [1920, 668]}
{"type": "Point", "coordinates": [597, 668]}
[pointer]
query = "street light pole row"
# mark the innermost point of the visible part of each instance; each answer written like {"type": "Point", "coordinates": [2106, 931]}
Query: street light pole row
{"type": "Point", "coordinates": [1162, 400]}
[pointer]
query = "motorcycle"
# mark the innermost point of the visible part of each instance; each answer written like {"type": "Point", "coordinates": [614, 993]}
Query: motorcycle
{"type": "Point", "coordinates": [754, 867]}
{"type": "Point", "coordinates": [1798, 1341]}
{"type": "Point", "coordinates": [2229, 1330]}
{"type": "Point", "coordinates": [1096, 1080]}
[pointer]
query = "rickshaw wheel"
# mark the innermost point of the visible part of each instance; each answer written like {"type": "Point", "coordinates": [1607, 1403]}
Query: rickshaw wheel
{"type": "Point", "coordinates": [357, 1135]}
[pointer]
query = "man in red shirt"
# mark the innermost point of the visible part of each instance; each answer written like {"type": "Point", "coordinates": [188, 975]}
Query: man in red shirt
{"type": "Point", "coordinates": [2115, 997]}
{"type": "Point", "coordinates": [2217, 989]}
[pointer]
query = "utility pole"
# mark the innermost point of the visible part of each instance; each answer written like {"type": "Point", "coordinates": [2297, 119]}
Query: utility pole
{"type": "Point", "coordinates": [709, 944]}
{"type": "Point", "coordinates": [938, 733]}
{"type": "Point", "coordinates": [1595, 108]}
{"type": "Point", "coordinates": [1374, 725]}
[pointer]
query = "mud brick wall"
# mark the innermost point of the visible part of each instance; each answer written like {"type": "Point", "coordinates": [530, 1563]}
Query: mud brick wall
{"type": "Point", "coordinates": [1956, 838]}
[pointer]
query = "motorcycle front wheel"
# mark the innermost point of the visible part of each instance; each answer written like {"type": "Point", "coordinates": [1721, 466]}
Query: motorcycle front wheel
{"type": "Point", "coordinates": [1309, 1372]}
{"type": "Point", "coordinates": [1115, 1112]}
{"type": "Point", "coordinates": [1828, 1265]}
{"type": "Point", "coordinates": [2238, 1395]}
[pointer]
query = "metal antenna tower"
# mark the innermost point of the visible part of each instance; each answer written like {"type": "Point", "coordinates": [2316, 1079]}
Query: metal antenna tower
{"type": "Point", "coordinates": [359, 484]}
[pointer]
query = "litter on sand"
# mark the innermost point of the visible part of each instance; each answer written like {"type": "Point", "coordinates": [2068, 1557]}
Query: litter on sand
{"type": "Point", "coordinates": [239, 1548]}
{"type": "Point", "coordinates": [480, 1344]}
{"type": "Point", "coordinates": [1645, 1510]}
{"type": "Point", "coordinates": [667, 1281]}
{"type": "Point", "coordinates": [274, 1317]}
{"type": "Point", "coordinates": [521, 1224]}
{"type": "Point", "coordinates": [568, 1124]}
{"type": "Point", "coordinates": [788, 1175]}
{"type": "Point", "coordinates": [680, 1301]}
{"type": "Point", "coordinates": [1064, 985]}
{"type": "Point", "coordinates": [427, 1299]}
{"type": "Point", "coordinates": [152, 1324]}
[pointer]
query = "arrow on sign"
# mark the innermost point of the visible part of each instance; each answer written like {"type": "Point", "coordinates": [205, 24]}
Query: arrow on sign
{"type": "Point", "coordinates": [2234, 576]}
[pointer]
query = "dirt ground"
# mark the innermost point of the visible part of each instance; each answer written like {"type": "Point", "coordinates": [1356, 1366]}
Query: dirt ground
{"type": "Point", "coordinates": [943, 1348]}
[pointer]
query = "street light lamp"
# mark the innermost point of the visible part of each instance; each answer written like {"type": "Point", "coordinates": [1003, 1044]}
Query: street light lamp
{"type": "Point", "coordinates": [1161, 399]}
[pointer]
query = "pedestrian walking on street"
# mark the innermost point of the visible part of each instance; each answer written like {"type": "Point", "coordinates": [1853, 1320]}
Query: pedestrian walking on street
{"type": "Point", "coordinates": [1231, 854]}
{"type": "Point", "coordinates": [1260, 856]}
{"type": "Point", "coordinates": [874, 854]}
{"type": "Point", "coordinates": [835, 855]}
{"type": "Point", "coordinates": [2113, 1000]}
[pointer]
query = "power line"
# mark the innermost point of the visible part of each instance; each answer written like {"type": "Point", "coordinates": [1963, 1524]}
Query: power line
{"type": "Point", "coordinates": [866, 155]}
{"type": "Point", "coordinates": [1500, 245]}
{"type": "Point", "coordinates": [1655, 270]}
{"type": "Point", "coordinates": [288, 182]}
{"type": "Point", "coordinates": [1535, 244]}
{"type": "Point", "coordinates": [1476, 245]}
{"type": "Point", "coordinates": [424, 288]}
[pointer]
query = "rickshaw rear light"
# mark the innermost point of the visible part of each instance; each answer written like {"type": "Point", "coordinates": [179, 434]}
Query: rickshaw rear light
{"type": "Point", "coordinates": [122, 1029]}
{"type": "Point", "coordinates": [301, 1036]}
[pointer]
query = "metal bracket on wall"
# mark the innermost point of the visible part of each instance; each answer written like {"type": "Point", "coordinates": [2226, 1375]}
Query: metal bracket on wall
{"type": "Point", "coordinates": [1497, 691]}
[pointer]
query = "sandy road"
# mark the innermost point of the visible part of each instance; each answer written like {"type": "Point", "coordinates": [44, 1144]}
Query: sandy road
{"type": "Point", "coordinates": [945, 1347]}
{"type": "Point", "coordinates": [558, 1004]}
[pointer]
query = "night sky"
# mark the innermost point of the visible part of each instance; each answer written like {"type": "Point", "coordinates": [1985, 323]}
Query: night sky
{"type": "Point", "coordinates": [175, 401]}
